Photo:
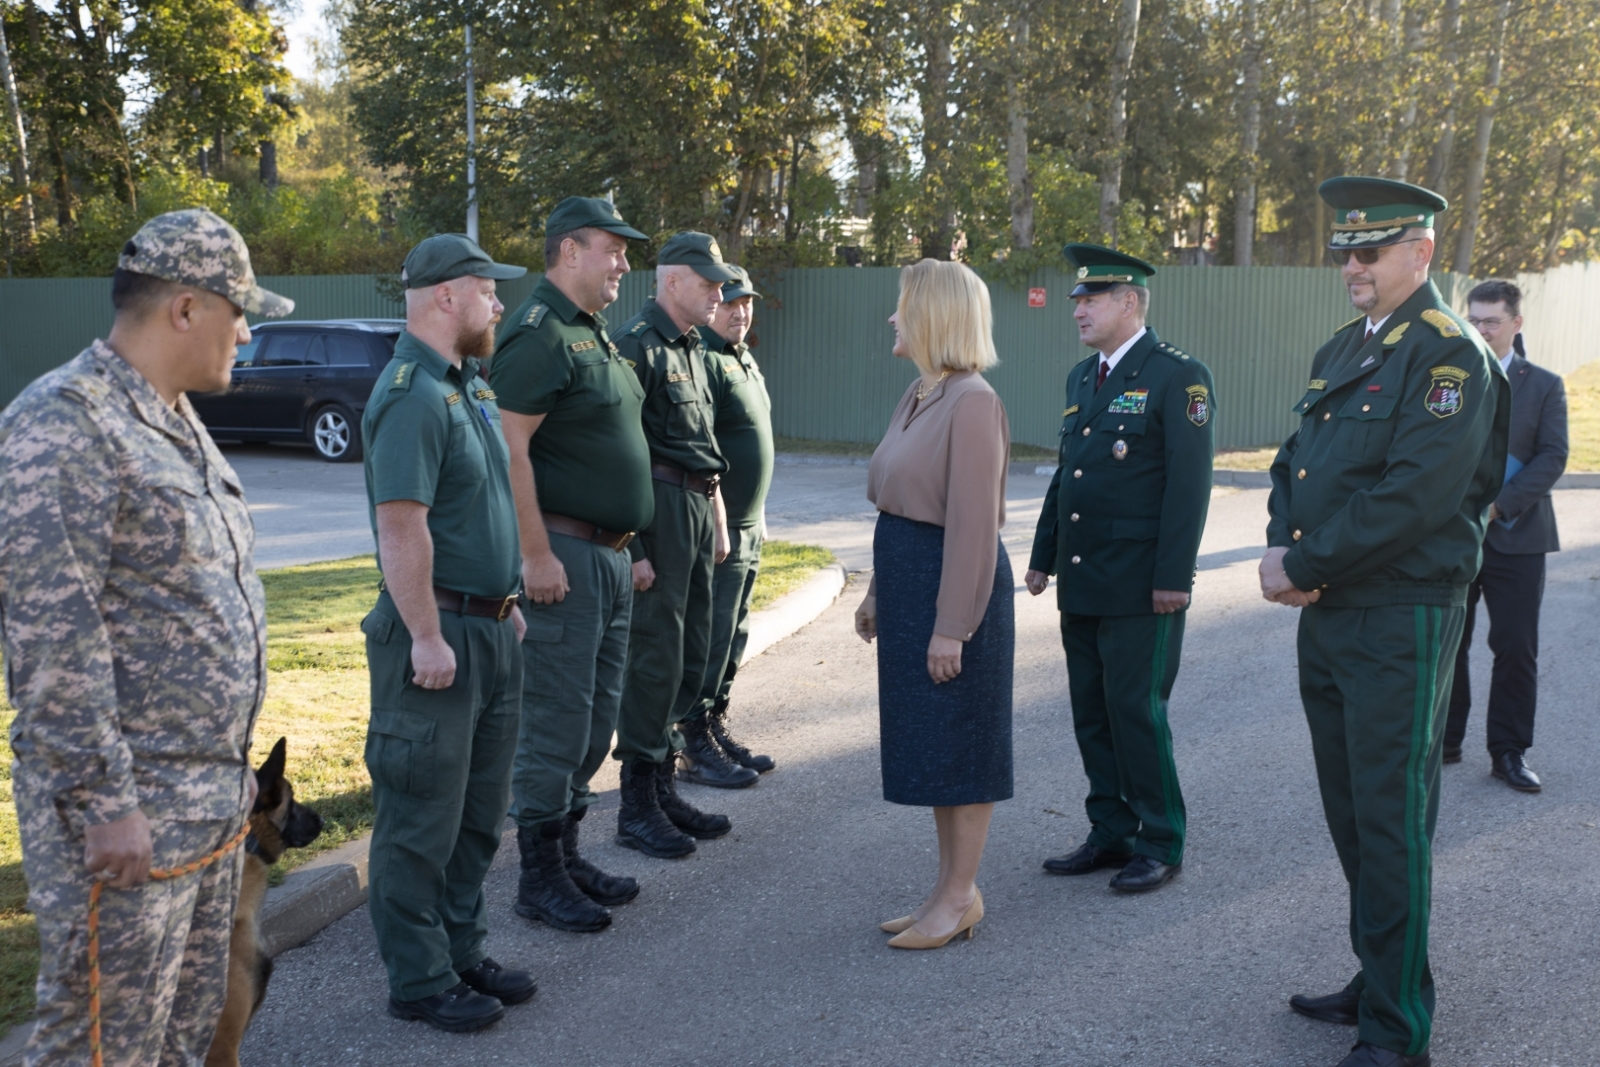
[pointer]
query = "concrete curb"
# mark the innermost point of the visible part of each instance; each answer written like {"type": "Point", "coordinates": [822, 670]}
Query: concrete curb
{"type": "Point", "coordinates": [794, 609]}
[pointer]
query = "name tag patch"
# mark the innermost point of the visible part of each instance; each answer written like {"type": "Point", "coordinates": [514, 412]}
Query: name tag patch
{"type": "Point", "coordinates": [485, 394]}
{"type": "Point", "coordinates": [452, 398]}
{"type": "Point", "coordinates": [1318, 383]}
{"type": "Point", "coordinates": [683, 377]}
{"type": "Point", "coordinates": [1131, 402]}
{"type": "Point", "coordinates": [582, 346]}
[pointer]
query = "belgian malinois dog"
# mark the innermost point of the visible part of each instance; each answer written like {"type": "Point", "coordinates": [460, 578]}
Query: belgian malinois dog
{"type": "Point", "coordinates": [276, 823]}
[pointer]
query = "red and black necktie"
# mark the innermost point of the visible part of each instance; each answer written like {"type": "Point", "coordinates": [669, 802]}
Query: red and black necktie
{"type": "Point", "coordinates": [1100, 378]}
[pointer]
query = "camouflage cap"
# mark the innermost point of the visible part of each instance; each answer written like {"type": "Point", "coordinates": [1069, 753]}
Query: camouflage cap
{"type": "Point", "coordinates": [197, 247]}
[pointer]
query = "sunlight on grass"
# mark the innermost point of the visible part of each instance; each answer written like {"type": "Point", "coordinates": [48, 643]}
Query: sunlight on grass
{"type": "Point", "coordinates": [1583, 418]}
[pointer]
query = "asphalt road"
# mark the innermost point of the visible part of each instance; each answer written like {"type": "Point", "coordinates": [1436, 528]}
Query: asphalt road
{"type": "Point", "coordinates": [763, 947]}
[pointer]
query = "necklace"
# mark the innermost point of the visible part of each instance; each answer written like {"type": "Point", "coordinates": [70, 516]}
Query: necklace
{"type": "Point", "coordinates": [924, 390]}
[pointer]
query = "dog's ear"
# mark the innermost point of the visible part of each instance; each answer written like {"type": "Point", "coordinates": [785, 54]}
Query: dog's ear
{"type": "Point", "coordinates": [270, 773]}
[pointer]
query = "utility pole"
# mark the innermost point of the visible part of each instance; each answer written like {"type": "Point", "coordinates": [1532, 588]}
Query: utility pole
{"type": "Point", "coordinates": [21, 135]}
{"type": "Point", "coordinates": [472, 148]}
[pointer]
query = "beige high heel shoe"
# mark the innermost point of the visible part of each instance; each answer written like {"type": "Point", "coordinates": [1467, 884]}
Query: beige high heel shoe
{"type": "Point", "coordinates": [895, 926]}
{"type": "Point", "coordinates": [913, 938]}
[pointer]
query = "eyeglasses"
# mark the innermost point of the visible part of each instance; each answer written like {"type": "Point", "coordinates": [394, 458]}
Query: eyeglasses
{"type": "Point", "coordinates": [1478, 324]}
{"type": "Point", "coordinates": [1365, 256]}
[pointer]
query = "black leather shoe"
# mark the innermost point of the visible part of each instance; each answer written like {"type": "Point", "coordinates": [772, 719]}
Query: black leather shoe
{"type": "Point", "coordinates": [457, 1010]}
{"type": "Point", "coordinates": [641, 824]}
{"type": "Point", "coordinates": [602, 888]}
{"type": "Point", "coordinates": [1509, 768]}
{"type": "Point", "coordinates": [1365, 1054]}
{"type": "Point", "coordinates": [684, 815]}
{"type": "Point", "coordinates": [717, 719]}
{"type": "Point", "coordinates": [1143, 874]}
{"type": "Point", "coordinates": [493, 980]}
{"type": "Point", "coordinates": [703, 763]}
{"type": "Point", "coordinates": [1452, 753]}
{"type": "Point", "coordinates": [1343, 1007]}
{"type": "Point", "coordinates": [545, 891]}
{"type": "Point", "coordinates": [1086, 859]}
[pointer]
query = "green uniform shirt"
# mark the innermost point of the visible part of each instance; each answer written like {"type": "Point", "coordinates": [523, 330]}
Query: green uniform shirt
{"type": "Point", "coordinates": [432, 434]}
{"type": "Point", "coordinates": [743, 428]}
{"type": "Point", "coordinates": [680, 409]}
{"type": "Point", "coordinates": [1125, 510]}
{"type": "Point", "coordinates": [590, 459]}
{"type": "Point", "coordinates": [1381, 495]}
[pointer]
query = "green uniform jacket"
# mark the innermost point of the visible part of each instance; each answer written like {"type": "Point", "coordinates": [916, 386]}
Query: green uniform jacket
{"type": "Point", "coordinates": [1381, 495]}
{"type": "Point", "coordinates": [1119, 528]}
{"type": "Point", "coordinates": [680, 409]}
{"type": "Point", "coordinates": [743, 428]}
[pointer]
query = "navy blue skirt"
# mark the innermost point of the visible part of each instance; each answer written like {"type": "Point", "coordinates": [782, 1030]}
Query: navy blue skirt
{"type": "Point", "coordinates": [950, 744]}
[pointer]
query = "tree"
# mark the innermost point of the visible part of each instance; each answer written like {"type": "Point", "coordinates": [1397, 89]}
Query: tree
{"type": "Point", "coordinates": [1117, 122]}
{"type": "Point", "coordinates": [1476, 167]}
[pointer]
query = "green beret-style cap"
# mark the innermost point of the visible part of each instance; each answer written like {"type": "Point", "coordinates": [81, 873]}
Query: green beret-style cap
{"type": "Point", "coordinates": [1101, 268]}
{"type": "Point", "coordinates": [739, 287]}
{"type": "Point", "coordinates": [444, 257]}
{"type": "Point", "coordinates": [698, 250]}
{"type": "Point", "coordinates": [578, 212]}
{"type": "Point", "coordinates": [1373, 212]}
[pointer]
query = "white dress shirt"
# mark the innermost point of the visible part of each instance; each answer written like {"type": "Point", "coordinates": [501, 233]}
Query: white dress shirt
{"type": "Point", "coordinates": [1110, 362]}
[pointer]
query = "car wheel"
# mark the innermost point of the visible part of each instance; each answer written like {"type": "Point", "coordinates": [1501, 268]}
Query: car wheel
{"type": "Point", "coordinates": [335, 434]}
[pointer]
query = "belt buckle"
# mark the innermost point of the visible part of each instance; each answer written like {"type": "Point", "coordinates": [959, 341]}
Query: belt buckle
{"type": "Point", "coordinates": [506, 607]}
{"type": "Point", "coordinates": [711, 485]}
{"type": "Point", "coordinates": [624, 541]}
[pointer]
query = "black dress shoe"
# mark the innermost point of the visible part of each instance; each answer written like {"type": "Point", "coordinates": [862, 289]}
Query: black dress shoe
{"type": "Point", "coordinates": [457, 1010]}
{"type": "Point", "coordinates": [1509, 768]}
{"type": "Point", "coordinates": [1343, 1007]}
{"type": "Point", "coordinates": [1452, 753]}
{"type": "Point", "coordinates": [1085, 859]}
{"type": "Point", "coordinates": [1143, 874]}
{"type": "Point", "coordinates": [1366, 1054]}
{"type": "Point", "coordinates": [493, 980]}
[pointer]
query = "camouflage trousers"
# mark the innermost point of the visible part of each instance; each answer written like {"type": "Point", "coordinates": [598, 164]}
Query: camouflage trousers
{"type": "Point", "coordinates": [163, 945]}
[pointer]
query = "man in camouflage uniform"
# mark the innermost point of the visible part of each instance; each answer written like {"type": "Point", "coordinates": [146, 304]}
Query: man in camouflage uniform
{"type": "Point", "coordinates": [135, 649]}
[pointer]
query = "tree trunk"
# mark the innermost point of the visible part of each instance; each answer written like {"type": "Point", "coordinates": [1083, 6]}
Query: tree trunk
{"type": "Point", "coordinates": [269, 164]}
{"type": "Point", "coordinates": [1017, 176]}
{"type": "Point", "coordinates": [1244, 201]}
{"type": "Point", "coordinates": [1413, 43]}
{"type": "Point", "coordinates": [1117, 124]}
{"type": "Point", "coordinates": [14, 109]}
{"type": "Point", "coordinates": [865, 131]}
{"type": "Point", "coordinates": [1479, 162]}
{"type": "Point", "coordinates": [203, 162]}
{"type": "Point", "coordinates": [1450, 30]}
{"type": "Point", "coordinates": [938, 131]}
{"type": "Point", "coordinates": [66, 203]}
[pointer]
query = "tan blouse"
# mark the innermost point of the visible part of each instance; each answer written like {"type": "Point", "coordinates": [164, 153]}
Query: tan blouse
{"type": "Point", "coordinates": [944, 461]}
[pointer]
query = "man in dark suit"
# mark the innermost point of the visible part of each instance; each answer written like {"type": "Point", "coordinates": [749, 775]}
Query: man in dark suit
{"type": "Point", "coordinates": [1522, 530]}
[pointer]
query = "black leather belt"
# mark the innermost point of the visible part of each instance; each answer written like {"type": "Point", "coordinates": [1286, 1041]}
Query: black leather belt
{"type": "Point", "coordinates": [664, 472]}
{"type": "Point", "coordinates": [488, 607]}
{"type": "Point", "coordinates": [586, 531]}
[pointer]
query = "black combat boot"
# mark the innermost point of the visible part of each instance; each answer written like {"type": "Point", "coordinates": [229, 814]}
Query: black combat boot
{"type": "Point", "coordinates": [641, 824]}
{"type": "Point", "coordinates": [603, 888]}
{"type": "Point", "coordinates": [684, 815]}
{"type": "Point", "coordinates": [545, 891]}
{"type": "Point", "coordinates": [717, 719]}
{"type": "Point", "coordinates": [702, 762]}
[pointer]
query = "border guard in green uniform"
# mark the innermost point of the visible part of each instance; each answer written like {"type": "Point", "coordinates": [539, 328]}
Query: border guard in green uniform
{"type": "Point", "coordinates": [1378, 510]}
{"type": "Point", "coordinates": [1122, 522]}
{"type": "Point", "coordinates": [442, 643]}
{"type": "Point", "coordinates": [744, 431]}
{"type": "Point", "coordinates": [669, 641]}
{"type": "Point", "coordinates": [580, 474]}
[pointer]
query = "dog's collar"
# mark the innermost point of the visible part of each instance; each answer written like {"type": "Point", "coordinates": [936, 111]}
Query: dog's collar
{"type": "Point", "coordinates": [252, 845]}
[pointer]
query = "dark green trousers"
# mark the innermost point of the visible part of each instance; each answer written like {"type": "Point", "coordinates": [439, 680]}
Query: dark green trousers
{"type": "Point", "coordinates": [1375, 683]}
{"type": "Point", "coordinates": [733, 584]}
{"type": "Point", "coordinates": [573, 658]}
{"type": "Point", "coordinates": [440, 762]}
{"type": "Point", "coordinates": [670, 636]}
{"type": "Point", "coordinates": [1120, 669]}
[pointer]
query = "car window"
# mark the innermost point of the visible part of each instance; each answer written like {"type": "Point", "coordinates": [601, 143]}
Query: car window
{"type": "Point", "coordinates": [293, 350]}
{"type": "Point", "coordinates": [248, 353]}
{"type": "Point", "coordinates": [345, 350]}
{"type": "Point", "coordinates": [386, 343]}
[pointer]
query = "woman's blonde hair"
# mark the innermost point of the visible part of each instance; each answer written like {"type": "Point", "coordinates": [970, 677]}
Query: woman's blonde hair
{"type": "Point", "coordinates": [945, 317]}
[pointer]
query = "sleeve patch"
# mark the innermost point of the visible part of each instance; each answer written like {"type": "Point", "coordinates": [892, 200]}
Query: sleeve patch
{"type": "Point", "coordinates": [1443, 323]}
{"type": "Point", "coordinates": [1199, 409]}
{"type": "Point", "coordinates": [1445, 396]}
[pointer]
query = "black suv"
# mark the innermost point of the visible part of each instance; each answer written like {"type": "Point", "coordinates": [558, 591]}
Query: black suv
{"type": "Point", "coordinates": [303, 381]}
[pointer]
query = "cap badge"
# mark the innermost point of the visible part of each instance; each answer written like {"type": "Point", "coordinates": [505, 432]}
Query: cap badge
{"type": "Point", "coordinates": [1356, 218]}
{"type": "Point", "coordinates": [715, 251]}
{"type": "Point", "coordinates": [1083, 272]}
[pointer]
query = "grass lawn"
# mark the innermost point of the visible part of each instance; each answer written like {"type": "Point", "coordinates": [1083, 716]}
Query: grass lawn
{"type": "Point", "coordinates": [317, 697]}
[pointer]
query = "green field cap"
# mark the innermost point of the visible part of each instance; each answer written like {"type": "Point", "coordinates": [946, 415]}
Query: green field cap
{"type": "Point", "coordinates": [739, 287]}
{"type": "Point", "coordinates": [578, 212]}
{"type": "Point", "coordinates": [1101, 268]}
{"type": "Point", "coordinates": [444, 257]}
{"type": "Point", "coordinates": [199, 248]}
{"type": "Point", "coordinates": [1373, 212]}
{"type": "Point", "coordinates": [697, 250]}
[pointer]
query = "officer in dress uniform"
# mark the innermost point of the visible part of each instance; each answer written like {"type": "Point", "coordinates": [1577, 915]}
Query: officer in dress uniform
{"type": "Point", "coordinates": [442, 643]}
{"type": "Point", "coordinates": [1378, 508]}
{"type": "Point", "coordinates": [1121, 527]}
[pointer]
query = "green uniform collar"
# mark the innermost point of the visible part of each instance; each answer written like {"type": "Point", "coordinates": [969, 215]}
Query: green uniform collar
{"type": "Point", "coordinates": [662, 323]}
{"type": "Point", "coordinates": [715, 342]}
{"type": "Point", "coordinates": [409, 347]}
{"type": "Point", "coordinates": [558, 302]}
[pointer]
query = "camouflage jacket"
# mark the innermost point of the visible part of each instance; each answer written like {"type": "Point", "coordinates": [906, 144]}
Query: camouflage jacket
{"type": "Point", "coordinates": [133, 620]}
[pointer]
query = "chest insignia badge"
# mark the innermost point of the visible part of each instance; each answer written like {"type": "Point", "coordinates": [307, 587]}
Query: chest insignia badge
{"type": "Point", "coordinates": [485, 394]}
{"type": "Point", "coordinates": [1199, 409]}
{"type": "Point", "coordinates": [1131, 402]}
{"type": "Point", "coordinates": [582, 346]}
{"type": "Point", "coordinates": [680, 377]}
{"type": "Point", "coordinates": [1397, 333]}
{"type": "Point", "coordinates": [1318, 383]}
{"type": "Point", "coordinates": [1073, 410]}
{"type": "Point", "coordinates": [1440, 321]}
{"type": "Point", "coordinates": [1119, 450]}
{"type": "Point", "coordinates": [1444, 395]}
{"type": "Point", "coordinates": [452, 398]}
{"type": "Point", "coordinates": [730, 366]}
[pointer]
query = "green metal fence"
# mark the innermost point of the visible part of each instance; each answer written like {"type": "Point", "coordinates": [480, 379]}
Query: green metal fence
{"type": "Point", "coordinates": [823, 340]}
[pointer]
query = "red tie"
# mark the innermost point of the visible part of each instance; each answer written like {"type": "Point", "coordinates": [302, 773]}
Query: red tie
{"type": "Point", "coordinates": [1368, 337]}
{"type": "Point", "coordinates": [1100, 378]}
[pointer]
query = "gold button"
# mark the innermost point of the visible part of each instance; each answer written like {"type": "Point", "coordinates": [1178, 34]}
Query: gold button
{"type": "Point", "coordinates": [1086, 431]}
{"type": "Point", "coordinates": [1297, 535]}
{"type": "Point", "coordinates": [1077, 474]}
{"type": "Point", "coordinates": [1074, 516]}
{"type": "Point", "coordinates": [1326, 415]}
{"type": "Point", "coordinates": [1366, 407]}
{"type": "Point", "coordinates": [1075, 559]}
{"type": "Point", "coordinates": [1302, 473]}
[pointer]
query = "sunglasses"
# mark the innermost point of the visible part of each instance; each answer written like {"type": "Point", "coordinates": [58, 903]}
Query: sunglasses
{"type": "Point", "coordinates": [1365, 256]}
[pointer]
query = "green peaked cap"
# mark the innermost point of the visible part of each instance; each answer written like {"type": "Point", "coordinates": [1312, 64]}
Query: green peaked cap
{"type": "Point", "coordinates": [1373, 212]}
{"type": "Point", "coordinates": [580, 212]}
{"type": "Point", "coordinates": [741, 286]}
{"type": "Point", "coordinates": [1101, 268]}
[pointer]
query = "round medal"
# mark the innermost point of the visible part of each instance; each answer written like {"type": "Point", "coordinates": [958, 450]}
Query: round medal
{"type": "Point", "coordinates": [1119, 450]}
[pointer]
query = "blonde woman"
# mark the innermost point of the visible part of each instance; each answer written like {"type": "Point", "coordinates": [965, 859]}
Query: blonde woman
{"type": "Point", "coordinates": [940, 603]}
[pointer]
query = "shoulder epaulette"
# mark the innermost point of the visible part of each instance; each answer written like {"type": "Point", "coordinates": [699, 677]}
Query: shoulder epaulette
{"type": "Point", "coordinates": [1173, 351]}
{"type": "Point", "coordinates": [1440, 321]}
{"type": "Point", "coordinates": [1349, 324]}
{"type": "Point", "coordinates": [85, 389]}
{"type": "Point", "coordinates": [536, 315]}
{"type": "Point", "coordinates": [400, 380]}
{"type": "Point", "coordinates": [638, 328]}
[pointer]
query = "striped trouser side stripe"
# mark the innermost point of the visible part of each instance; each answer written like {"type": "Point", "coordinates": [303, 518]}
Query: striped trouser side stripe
{"type": "Point", "coordinates": [1163, 732]}
{"type": "Point", "coordinates": [1419, 852]}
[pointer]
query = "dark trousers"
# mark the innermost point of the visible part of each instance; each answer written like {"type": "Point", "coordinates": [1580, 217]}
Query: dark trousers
{"type": "Point", "coordinates": [1512, 588]}
{"type": "Point", "coordinates": [1375, 682]}
{"type": "Point", "coordinates": [1120, 670]}
{"type": "Point", "coordinates": [732, 588]}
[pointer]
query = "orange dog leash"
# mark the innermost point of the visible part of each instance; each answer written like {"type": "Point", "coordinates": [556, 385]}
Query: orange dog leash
{"type": "Point", "coordinates": [94, 931]}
